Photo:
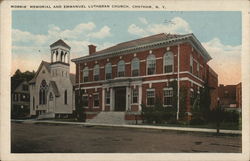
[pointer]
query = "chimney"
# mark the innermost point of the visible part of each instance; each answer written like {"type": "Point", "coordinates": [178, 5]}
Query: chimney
{"type": "Point", "coordinates": [92, 49]}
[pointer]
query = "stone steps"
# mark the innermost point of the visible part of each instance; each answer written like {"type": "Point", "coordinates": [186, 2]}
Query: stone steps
{"type": "Point", "coordinates": [109, 118]}
{"type": "Point", "coordinates": [48, 115]}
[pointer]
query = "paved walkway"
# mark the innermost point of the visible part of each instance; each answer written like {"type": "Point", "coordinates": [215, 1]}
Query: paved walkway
{"type": "Point", "coordinates": [134, 126]}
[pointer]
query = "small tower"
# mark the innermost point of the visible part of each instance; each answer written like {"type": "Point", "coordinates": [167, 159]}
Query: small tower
{"type": "Point", "coordinates": [60, 52]}
{"type": "Point", "coordinates": [60, 60]}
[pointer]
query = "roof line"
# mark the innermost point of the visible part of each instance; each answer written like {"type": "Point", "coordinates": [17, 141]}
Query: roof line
{"type": "Point", "coordinates": [132, 48]}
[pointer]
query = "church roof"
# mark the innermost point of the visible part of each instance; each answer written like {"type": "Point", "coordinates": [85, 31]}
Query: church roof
{"type": "Point", "coordinates": [60, 42]}
{"type": "Point", "coordinates": [55, 89]}
{"type": "Point", "coordinates": [47, 66]}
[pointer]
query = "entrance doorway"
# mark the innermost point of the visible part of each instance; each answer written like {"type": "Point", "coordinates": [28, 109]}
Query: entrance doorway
{"type": "Point", "coordinates": [120, 98]}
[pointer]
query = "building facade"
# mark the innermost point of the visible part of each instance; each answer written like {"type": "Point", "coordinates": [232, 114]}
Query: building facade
{"type": "Point", "coordinates": [51, 90]}
{"type": "Point", "coordinates": [129, 74]}
{"type": "Point", "coordinates": [20, 100]}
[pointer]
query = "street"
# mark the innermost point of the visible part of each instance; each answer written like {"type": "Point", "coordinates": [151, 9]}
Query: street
{"type": "Point", "coordinates": [54, 138]}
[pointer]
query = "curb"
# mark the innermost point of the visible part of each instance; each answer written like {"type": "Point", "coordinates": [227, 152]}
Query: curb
{"type": "Point", "coordinates": [188, 129]}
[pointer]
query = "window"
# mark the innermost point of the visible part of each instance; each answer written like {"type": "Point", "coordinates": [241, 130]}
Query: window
{"type": "Point", "coordinates": [85, 102]}
{"type": "Point", "coordinates": [191, 64]}
{"type": "Point", "coordinates": [15, 97]}
{"type": "Point", "coordinates": [96, 100]}
{"type": "Point", "coordinates": [85, 74]}
{"type": "Point", "coordinates": [151, 64]}
{"type": "Point", "coordinates": [168, 96]}
{"type": "Point", "coordinates": [135, 67]}
{"type": "Point", "coordinates": [51, 96]}
{"type": "Point", "coordinates": [108, 71]}
{"type": "Point", "coordinates": [168, 62]}
{"type": "Point", "coordinates": [150, 97]}
{"type": "Point", "coordinates": [198, 70]}
{"type": "Point", "coordinates": [65, 97]}
{"type": "Point", "coordinates": [134, 96]}
{"type": "Point", "coordinates": [96, 72]}
{"type": "Point", "coordinates": [25, 87]}
{"type": "Point", "coordinates": [42, 92]}
{"type": "Point", "coordinates": [121, 69]}
{"type": "Point", "coordinates": [107, 97]}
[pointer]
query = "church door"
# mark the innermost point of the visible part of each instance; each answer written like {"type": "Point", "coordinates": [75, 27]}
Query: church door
{"type": "Point", "coordinates": [51, 102]}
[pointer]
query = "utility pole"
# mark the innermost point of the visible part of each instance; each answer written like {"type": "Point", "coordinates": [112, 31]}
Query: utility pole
{"type": "Point", "coordinates": [178, 84]}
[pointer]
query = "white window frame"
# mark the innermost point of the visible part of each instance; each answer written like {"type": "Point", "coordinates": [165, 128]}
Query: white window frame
{"type": "Point", "coordinates": [171, 95]}
{"type": "Point", "coordinates": [132, 98]}
{"type": "Point", "coordinates": [167, 62]}
{"type": "Point", "coordinates": [135, 60]}
{"type": "Point", "coordinates": [107, 91]}
{"type": "Point", "coordinates": [121, 68]}
{"type": "Point", "coordinates": [150, 90]}
{"type": "Point", "coordinates": [106, 66]}
{"type": "Point", "coordinates": [96, 72]}
{"type": "Point", "coordinates": [191, 64]}
{"type": "Point", "coordinates": [85, 70]}
{"type": "Point", "coordinates": [150, 58]}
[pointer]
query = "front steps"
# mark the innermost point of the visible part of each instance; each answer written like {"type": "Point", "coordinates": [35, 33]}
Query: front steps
{"type": "Point", "coordinates": [109, 118]}
{"type": "Point", "coordinates": [47, 115]}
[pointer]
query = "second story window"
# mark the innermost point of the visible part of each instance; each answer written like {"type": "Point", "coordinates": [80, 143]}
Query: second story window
{"type": "Point", "coordinates": [168, 62]}
{"type": "Point", "coordinates": [121, 69]}
{"type": "Point", "coordinates": [191, 64]}
{"type": "Point", "coordinates": [96, 72]}
{"type": "Point", "coordinates": [151, 65]}
{"type": "Point", "coordinates": [135, 67]}
{"type": "Point", "coordinates": [85, 74]}
{"type": "Point", "coordinates": [108, 71]}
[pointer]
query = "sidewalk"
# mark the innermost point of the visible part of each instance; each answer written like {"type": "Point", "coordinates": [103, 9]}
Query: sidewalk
{"type": "Point", "coordinates": [133, 126]}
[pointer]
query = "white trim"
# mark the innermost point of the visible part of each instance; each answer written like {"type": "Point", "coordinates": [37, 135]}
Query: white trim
{"type": "Point", "coordinates": [166, 80]}
{"type": "Point", "coordinates": [187, 72]}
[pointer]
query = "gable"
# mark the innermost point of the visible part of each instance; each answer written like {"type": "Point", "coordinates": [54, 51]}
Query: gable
{"type": "Point", "coordinates": [43, 69]}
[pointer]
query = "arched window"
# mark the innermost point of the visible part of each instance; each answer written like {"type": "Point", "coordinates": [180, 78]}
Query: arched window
{"type": "Point", "coordinates": [108, 71]}
{"type": "Point", "coordinates": [61, 57]}
{"type": "Point", "coordinates": [65, 97]}
{"type": "Point", "coordinates": [57, 56]}
{"type": "Point", "coordinates": [151, 67]}
{"type": "Point", "coordinates": [96, 72]}
{"type": "Point", "coordinates": [135, 67]}
{"type": "Point", "coordinates": [85, 74]}
{"type": "Point", "coordinates": [168, 62]}
{"type": "Point", "coordinates": [121, 68]}
{"type": "Point", "coordinates": [42, 92]}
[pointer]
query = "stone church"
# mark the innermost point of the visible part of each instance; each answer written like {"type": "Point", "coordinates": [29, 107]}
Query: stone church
{"type": "Point", "coordinates": [51, 89]}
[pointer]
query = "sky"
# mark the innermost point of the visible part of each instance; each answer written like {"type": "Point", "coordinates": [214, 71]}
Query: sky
{"type": "Point", "coordinates": [33, 32]}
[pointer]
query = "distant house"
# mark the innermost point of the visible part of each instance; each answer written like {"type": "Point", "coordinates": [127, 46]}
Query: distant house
{"type": "Point", "coordinates": [239, 95]}
{"type": "Point", "coordinates": [20, 100]}
{"type": "Point", "coordinates": [230, 96]}
{"type": "Point", "coordinates": [51, 90]}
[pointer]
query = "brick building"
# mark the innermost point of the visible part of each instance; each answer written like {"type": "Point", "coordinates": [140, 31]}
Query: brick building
{"type": "Point", "coordinates": [124, 76]}
{"type": "Point", "coordinates": [227, 95]}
